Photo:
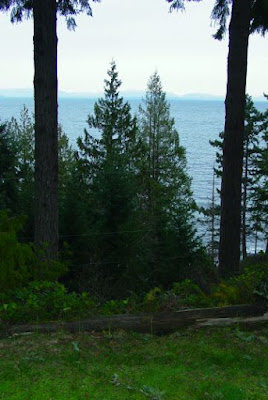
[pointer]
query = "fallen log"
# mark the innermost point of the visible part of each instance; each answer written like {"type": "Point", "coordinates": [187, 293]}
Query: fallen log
{"type": "Point", "coordinates": [158, 323]}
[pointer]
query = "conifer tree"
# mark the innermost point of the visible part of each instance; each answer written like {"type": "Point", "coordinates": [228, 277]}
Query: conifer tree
{"type": "Point", "coordinates": [8, 173]}
{"type": "Point", "coordinates": [46, 108]}
{"type": "Point", "coordinates": [252, 175]}
{"type": "Point", "coordinates": [107, 167]}
{"type": "Point", "coordinates": [259, 193]}
{"type": "Point", "coordinates": [247, 16]}
{"type": "Point", "coordinates": [165, 194]}
{"type": "Point", "coordinates": [22, 132]}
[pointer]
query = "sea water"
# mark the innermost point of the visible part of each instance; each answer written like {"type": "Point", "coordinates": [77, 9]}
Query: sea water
{"type": "Point", "coordinates": [197, 122]}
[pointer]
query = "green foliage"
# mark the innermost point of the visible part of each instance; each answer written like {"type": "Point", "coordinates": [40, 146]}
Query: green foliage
{"type": "Point", "coordinates": [22, 133]}
{"type": "Point", "coordinates": [190, 294]}
{"type": "Point", "coordinates": [67, 8]}
{"type": "Point", "coordinates": [225, 294]}
{"type": "Point", "coordinates": [164, 191]}
{"type": "Point", "coordinates": [15, 257]}
{"type": "Point", "coordinates": [183, 294]}
{"type": "Point", "coordinates": [105, 202]}
{"type": "Point", "coordinates": [8, 173]}
{"type": "Point", "coordinates": [254, 174]}
{"type": "Point", "coordinates": [44, 301]}
{"type": "Point", "coordinates": [249, 287]}
{"type": "Point", "coordinates": [21, 262]}
{"type": "Point", "coordinates": [221, 11]}
{"type": "Point", "coordinates": [20, 138]}
{"type": "Point", "coordinates": [153, 300]}
{"type": "Point", "coordinates": [45, 268]}
{"type": "Point", "coordinates": [115, 307]}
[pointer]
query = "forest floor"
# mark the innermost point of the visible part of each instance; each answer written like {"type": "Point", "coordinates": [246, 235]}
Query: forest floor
{"type": "Point", "coordinates": [206, 364]}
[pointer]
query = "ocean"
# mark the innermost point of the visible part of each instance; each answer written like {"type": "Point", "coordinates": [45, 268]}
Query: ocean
{"type": "Point", "coordinates": [197, 122]}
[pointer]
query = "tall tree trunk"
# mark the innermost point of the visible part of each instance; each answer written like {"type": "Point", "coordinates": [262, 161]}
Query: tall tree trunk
{"type": "Point", "coordinates": [229, 251]}
{"type": "Point", "coordinates": [46, 112]}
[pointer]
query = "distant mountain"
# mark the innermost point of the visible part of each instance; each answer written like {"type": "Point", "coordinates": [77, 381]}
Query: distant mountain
{"type": "Point", "coordinates": [134, 94]}
{"type": "Point", "coordinates": [131, 94]}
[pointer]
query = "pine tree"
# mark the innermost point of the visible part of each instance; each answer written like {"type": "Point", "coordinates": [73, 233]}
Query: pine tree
{"type": "Point", "coordinates": [107, 168]}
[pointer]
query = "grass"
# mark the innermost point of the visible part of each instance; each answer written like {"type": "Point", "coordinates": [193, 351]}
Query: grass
{"type": "Point", "coordinates": [212, 364]}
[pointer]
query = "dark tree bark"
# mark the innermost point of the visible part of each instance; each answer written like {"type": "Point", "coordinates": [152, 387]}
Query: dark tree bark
{"type": "Point", "coordinates": [229, 251]}
{"type": "Point", "coordinates": [46, 146]}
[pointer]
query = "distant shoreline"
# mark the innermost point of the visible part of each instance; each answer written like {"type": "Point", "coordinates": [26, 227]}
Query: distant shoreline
{"type": "Point", "coordinates": [131, 97]}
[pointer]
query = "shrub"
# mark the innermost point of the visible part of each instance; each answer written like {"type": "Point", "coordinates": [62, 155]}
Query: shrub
{"type": "Point", "coordinates": [183, 294]}
{"type": "Point", "coordinates": [22, 262]}
{"type": "Point", "coordinates": [189, 294]}
{"type": "Point", "coordinates": [15, 257]}
{"type": "Point", "coordinates": [248, 287]}
{"type": "Point", "coordinates": [44, 301]}
{"type": "Point", "coordinates": [153, 300]}
{"type": "Point", "coordinates": [112, 307]}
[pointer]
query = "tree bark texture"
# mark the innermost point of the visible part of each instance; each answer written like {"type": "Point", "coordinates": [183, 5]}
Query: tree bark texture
{"type": "Point", "coordinates": [229, 251]}
{"type": "Point", "coordinates": [157, 323]}
{"type": "Point", "coordinates": [46, 123]}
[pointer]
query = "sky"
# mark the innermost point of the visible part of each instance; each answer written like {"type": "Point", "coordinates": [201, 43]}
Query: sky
{"type": "Point", "coordinates": [141, 36]}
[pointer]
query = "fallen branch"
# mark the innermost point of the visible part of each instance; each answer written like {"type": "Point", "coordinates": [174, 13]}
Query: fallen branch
{"type": "Point", "coordinates": [165, 322]}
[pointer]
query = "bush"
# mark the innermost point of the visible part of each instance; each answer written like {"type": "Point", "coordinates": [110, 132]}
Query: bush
{"type": "Point", "coordinates": [15, 257]}
{"type": "Point", "coordinates": [44, 301]}
{"type": "Point", "coordinates": [113, 307]}
{"type": "Point", "coordinates": [183, 294]}
{"type": "Point", "coordinates": [249, 287]}
{"type": "Point", "coordinates": [189, 294]}
{"type": "Point", "coordinates": [22, 262]}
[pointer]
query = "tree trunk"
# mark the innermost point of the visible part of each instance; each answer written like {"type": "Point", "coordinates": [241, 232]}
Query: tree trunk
{"type": "Point", "coordinates": [46, 114]}
{"type": "Point", "coordinates": [229, 252]}
{"type": "Point", "coordinates": [158, 323]}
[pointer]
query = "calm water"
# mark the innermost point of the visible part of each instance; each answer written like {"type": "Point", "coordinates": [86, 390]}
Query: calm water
{"type": "Point", "coordinates": [196, 121]}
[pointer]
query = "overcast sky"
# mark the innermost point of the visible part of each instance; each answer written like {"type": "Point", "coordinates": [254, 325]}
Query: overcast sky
{"type": "Point", "coordinates": [141, 36]}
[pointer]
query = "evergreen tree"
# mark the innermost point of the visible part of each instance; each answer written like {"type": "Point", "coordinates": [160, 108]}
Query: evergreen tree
{"type": "Point", "coordinates": [21, 138]}
{"type": "Point", "coordinates": [8, 173]}
{"type": "Point", "coordinates": [210, 218]}
{"type": "Point", "coordinates": [22, 132]}
{"type": "Point", "coordinates": [259, 193]}
{"type": "Point", "coordinates": [46, 107]}
{"type": "Point", "coordinates": [253, 148]}
{"type": "Point", "coordinates": [106, 169]}
{"type": "Point", "coordinates": [247, 16]}
{"type": "Point", "coordinates": [165, 195]}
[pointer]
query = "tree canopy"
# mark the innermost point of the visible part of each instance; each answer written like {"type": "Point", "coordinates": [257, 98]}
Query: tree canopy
{"type": "Point", "coordinates": [68, 8]}
{"type": "Point", "coordinates": [221, 12]}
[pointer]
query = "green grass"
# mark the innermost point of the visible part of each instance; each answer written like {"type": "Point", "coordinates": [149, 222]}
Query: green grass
{"type": "Point", "coordinates": [212, 364]}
